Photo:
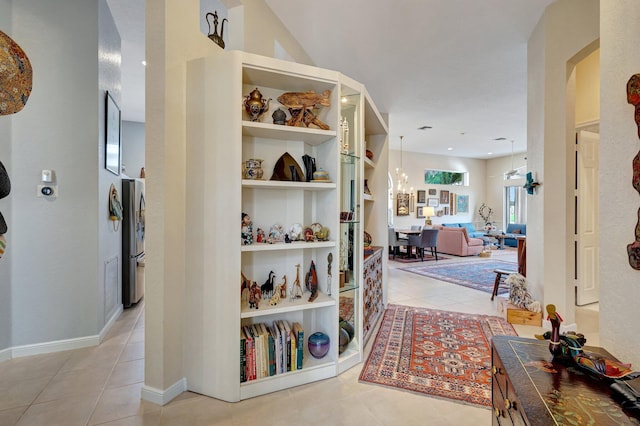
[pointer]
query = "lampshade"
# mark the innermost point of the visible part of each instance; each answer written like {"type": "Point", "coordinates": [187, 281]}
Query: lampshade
{"type": "Point", "coordinates": [429, 211]}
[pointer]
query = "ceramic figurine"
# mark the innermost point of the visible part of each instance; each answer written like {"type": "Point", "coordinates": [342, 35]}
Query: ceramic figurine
{"type": "Point", "coordinates": [256, 105]}
{"type": "Point", "coordinates": [283, 287]}
{"type": "Point", "coordinates": [287, 239]}
{"type": "Point", "coordinates": [252, 169]}
{"type": "Point", "coordinates": [275, 299]}
{"type": "Point", "coordinates": [254, 295]}
{"type": "Point", "coordinates": [309, 235]}
{"type": "Point", "coordinates": [246, 230]}
{"type": "Point", "coordinates": [311, 282]}
{"type": "Point", "coordinates": [260, 237]}
{"type": "Point", "coordinates": [296, 289]}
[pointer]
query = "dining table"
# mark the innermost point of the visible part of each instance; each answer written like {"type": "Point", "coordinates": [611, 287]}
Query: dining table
{"type": "Point", "coordinates": [407, 232]}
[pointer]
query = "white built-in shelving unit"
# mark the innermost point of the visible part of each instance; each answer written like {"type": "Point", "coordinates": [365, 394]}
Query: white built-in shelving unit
{"type": "Point", "coordinates": [220, 138]}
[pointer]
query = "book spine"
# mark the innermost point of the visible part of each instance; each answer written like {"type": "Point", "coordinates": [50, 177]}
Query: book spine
{"type": "Point", "coordinates": [293, 351]}
{"type": "Point", "coordinates": [299, 345]}
{"type": "Point", "coordinates": [243, 357]}
{"type": "Point", "coordinates": [272, 352]}
{"type": "Point", "coordinates": [251, 355]}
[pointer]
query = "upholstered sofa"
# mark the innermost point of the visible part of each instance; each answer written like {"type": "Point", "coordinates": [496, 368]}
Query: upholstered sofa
{"type": "Point", "coordinates": [515, 228]}
{"type": "Point", "coordinates": [471, 229]}
{"type": "Point", "coordinates": [456, 241]}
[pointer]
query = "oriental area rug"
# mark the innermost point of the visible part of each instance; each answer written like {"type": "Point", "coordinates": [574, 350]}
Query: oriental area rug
{"type": "Point", "coordinates": [476, 274]}
{"type": "Point", "coordinates": [436, 353]}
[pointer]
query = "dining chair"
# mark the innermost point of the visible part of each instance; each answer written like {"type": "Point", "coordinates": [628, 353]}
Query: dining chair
{"type": "Point", "coordinates": [416, 227]}
{"type": "Point", "coordinates": [428, 238]}
{"type": "Point", "coordinates": [395, 242]}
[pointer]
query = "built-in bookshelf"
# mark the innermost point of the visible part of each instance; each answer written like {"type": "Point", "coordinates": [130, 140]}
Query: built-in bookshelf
{"type": "Point", "coordinates": [220, 315]}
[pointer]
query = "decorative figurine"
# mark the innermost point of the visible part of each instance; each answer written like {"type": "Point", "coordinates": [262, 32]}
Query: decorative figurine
{"type": "Point", "coordinates": [329, 260]}
{"type": "Point", "coordinates": [256, 105]}
{"type": "Point", "coordinates": [279, 117]}
{"type": "Point", "coordinates": [531, 185]}
{"type": "Point", "coordinates": [295, 233]}
{"type": "Point", "coordinates": [309, 235]}
{"type": "Point", "coordinates": [252, 169]}
{"type": "Point", "coordinates": [275, 299]}
{"type": "Point", "coordinates": [267, 287]}
{"type": "Point", "coordinates": [283, 288]}
{"type": "Point", "coordinates": [321, 176]}
{"type": "Point", "coordinates": [311, 282]}
{"type": "Point", "coordinates": [300, 105]}
{"type": "Point", "coordinates": [254, 295]}
{"type": "Point", "coordinates": [296, 289]}
{"type": "Point", "coordinates": [245, 286]}
{"type": "Point", "coordinates": [246, 230]}
{"type": "Point", "coordinates": [217, 39]}
{"type": "Point", "coordinates": [287, 239]}
{"type": "Point", "coordinates": [260, 237]}
{"type": "Point", "coordinates": [567, 347]}
{"type": "Point", "coordinates": [344, 135]}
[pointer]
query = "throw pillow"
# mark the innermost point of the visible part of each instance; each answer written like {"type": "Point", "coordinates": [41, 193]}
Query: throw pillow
{"type": "Point", "coordinates": [516, 231]}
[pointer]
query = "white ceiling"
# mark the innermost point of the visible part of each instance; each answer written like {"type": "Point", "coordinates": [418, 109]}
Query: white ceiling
{"type": "Point", "coordinates": [457, 65]}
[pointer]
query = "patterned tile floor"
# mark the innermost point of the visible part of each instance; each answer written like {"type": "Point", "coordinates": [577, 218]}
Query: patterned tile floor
{"type": "Point", "coordinates": [101, 385]}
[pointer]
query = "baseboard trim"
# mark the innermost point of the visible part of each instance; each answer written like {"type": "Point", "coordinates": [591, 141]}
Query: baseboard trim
{"type": "Point", "coordinates": [5, 355]}
{"type": "Point", "coordinates": [110, 322]}
{"type": "Point", "coordinates": [163, 397]}
{"type": "Point", "coordinates": [55, 346]}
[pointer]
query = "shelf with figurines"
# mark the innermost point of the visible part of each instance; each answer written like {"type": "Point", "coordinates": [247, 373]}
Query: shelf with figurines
{"type": "Point", "coordinates": [313, 236]}
{"type": "Point", "coordinates": [284, 296]}
{"type": "Point", "coordinates": [305, 117]}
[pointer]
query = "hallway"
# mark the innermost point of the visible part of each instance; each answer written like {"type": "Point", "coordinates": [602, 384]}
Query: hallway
{"type": "Point", "coordinates": [101, 385]}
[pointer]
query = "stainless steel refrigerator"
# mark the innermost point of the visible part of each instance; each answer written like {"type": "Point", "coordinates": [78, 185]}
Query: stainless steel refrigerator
{"type": "Point", "coordinates": [133, 207]}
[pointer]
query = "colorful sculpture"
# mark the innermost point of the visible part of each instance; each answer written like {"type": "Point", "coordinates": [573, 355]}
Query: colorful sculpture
{"type": "Point", "coordinates": [633, 97]}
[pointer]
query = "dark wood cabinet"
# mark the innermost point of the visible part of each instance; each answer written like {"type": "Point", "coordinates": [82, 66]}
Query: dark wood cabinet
{"type": "Point", "coordinates": [528, 388]}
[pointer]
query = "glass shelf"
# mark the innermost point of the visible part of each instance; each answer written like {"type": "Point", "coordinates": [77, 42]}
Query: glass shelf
{"type": "Point", "coordinates": [349, 158]}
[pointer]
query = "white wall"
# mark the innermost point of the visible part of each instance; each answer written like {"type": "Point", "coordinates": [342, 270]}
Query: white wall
{"type": "Point", "coordinates": [173, 37]}
{"type": "Point", "coordinates": [567, 29]}
{"type": "Point", "coordinates": [5, 206]}
{"type": "Point", "coordinates": [132, 148]}
{"type": "Point", "coordinates": [619, 143]}
{"type": "Point", "coordinates": [58, 245]}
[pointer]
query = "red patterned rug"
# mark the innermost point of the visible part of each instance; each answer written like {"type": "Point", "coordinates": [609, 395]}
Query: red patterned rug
{"type": "Point", "coordinates": [437, 353]}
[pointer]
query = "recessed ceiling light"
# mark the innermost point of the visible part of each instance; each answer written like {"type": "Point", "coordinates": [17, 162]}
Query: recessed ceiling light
{"type": "Point", "coordinates": [144, 63]}
{"type": "Point", "coordinates": [449, 149]}
{"type": "Point", "coordinates": [489, 153]}
{"type": "Point", "coordinates": [500, 139]}
{"type": "Point", "coordinates": [344, 100]}
{"type": "Point", "coordinates": [425, 127]}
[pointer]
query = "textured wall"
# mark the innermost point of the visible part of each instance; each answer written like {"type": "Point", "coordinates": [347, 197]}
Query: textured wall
{"type": "Point", "coordinates": [619, 143]}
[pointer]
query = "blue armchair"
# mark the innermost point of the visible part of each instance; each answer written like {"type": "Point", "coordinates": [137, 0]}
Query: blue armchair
{"type": "Point", "coordinates": [515, 228]}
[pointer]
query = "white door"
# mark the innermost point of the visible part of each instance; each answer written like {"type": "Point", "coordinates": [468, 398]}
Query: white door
{"type": "Point", "coordinates": [587, 245]}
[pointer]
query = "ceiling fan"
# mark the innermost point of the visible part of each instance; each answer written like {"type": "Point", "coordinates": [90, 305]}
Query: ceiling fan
{"type": "Point", "coordinates": [514, 173]}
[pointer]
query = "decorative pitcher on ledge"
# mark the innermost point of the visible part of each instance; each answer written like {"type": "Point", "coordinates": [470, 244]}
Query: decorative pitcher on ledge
{"type": "Point", "coordinates": [252, 169]}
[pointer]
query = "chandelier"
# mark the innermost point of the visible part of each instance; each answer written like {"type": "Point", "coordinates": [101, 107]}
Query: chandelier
{"type": "Point", "coordinates": [401, 177]}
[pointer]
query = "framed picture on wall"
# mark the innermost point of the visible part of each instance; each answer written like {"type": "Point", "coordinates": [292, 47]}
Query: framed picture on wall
{"type": "Point", "coordinates": [444, 197]}
{"type": "Point", "coordinates": [433, 191]}
{"type": "Point", "coordinates": [420, 212]}
{"type": "Point", "coordinates": [402, 205]}
{"type": "Point", "coordinates": [432, 202]}
{"type": "Point", "coordinates": [463, 204]}
{"type": "Point", "coordinates": [112, 136]}
{"type": "Point", "coordinates": [421, 196]}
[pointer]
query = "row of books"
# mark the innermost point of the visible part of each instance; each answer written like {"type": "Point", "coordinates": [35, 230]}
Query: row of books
{"type": "Point", "coordinates": [267, 350]}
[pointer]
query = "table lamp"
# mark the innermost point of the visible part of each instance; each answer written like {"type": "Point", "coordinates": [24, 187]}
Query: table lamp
{"type": "Point", "coordinates": [428, 212]}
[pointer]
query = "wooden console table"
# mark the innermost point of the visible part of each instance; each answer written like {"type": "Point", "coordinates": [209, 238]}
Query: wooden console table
{"type": "Point", "coordinates": [528, 389]}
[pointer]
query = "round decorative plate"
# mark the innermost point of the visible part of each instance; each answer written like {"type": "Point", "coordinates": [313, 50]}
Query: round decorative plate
{"type": "Point", "coordinates": [276, 232]}
{"type": "Point", "coordinates": [295, 233]}
{"type": "Point", "coordinates": [316, 227]}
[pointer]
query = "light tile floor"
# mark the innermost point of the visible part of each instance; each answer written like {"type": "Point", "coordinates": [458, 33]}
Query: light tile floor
{"type": "Point", "coordinates": [101, 385]}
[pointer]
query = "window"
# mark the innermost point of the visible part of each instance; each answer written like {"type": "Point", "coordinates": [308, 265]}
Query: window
{"type": "Point", "coordinates": [446, 177]}
{"type": "Point", "coordinates": [515, 200]}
